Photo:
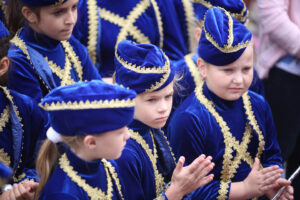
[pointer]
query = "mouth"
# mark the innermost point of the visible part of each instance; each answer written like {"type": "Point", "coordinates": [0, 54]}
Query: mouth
{"type": "Point", "coordinates": [161, 119]}
{"type": "Point", "coordinates": [236, 89]}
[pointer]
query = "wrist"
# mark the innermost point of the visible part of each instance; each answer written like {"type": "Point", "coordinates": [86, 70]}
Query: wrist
{"type": "Point", "coordinates": [174, 193]}
{"type": "Point", "coordinates": [240, 190]}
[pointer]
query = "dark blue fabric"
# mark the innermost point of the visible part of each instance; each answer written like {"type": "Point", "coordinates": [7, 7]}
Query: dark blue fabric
{"type": "Point", "coordinates": [194, 131]}
{"type": "Point", "coordinates": [42, 2]}
{"type": "Point", "coordinates": [82, 28]}
{"type": "Point", "coordinates": [135, 165]}
{"type": "Point", "coordinates": [142, 56]}
{"type": "Point", "coordinates": [20, 138]}
{"type": "Point", "coordinates": [173, 44]}
{"type": "Point", "coordinates": [61, 186]}
{"type": "Point", "coordinates": [3, 30]}
{"type": "Point", "coordinates": [90, 120]}
{"type": "Point", "coordinates": [216, 25]}
{"type": "Point", "coordinates": [23, 72]}
{"type": "Point", "coordinates": [5, 172]}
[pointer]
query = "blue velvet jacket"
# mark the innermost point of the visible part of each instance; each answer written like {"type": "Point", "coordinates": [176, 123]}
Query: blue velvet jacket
{"type": "Point", "coordinates": [88, 29]}
{"type": "Point", "coordinates": [21, 126]}
{"type": "Point", "coordinates": [76, 179]}
{"type": "Point", "coordinates": [186, 16]}
{"type": "Point", "coordinates": [139, 170]}
{"type": "Point", "coordinates": [143, 21]}
{"type": "Point", "coordinates": [39, 63]}
{"type": "Point", "coordinates": [194, 130]}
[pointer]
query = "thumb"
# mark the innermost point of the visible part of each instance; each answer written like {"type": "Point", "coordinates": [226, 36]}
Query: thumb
{"type": "Point", "coordinates": [283, 182]}
{"type": "Point", "coordinates": [180, 164]}
{"type": "Point", "coordinates": [255, 166]}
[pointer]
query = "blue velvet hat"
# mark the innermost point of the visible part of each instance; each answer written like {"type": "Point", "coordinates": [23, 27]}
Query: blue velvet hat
{"type": "Point", "coordinates": [42, 2]}
{"type": "Point", "coordinates": [236, 8]}
{"type": "Point", "coordinates": [3, 30]}
{"type": "Point", "coordinates": [86, 108]}
{"type": "Point", "coordinates": [223, 39]}
{"type": "Point", "coordinates": [142, 67]}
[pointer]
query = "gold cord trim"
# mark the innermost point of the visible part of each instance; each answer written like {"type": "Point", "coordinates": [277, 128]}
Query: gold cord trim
{"type": "Point", "coordinates": [93, 29]}
{"type": "Point", "coordinates": [122, 22]}
{"type": "Point", "coordinates": [4, 157]}
{"type": "Point", "coordinates": [193, 69]}
{"type": "Point", "coordinates": [159, 180]}
{"type": "Point", "coordinates": [239, 16]}
{"type": "Point", "coordinates": [159, 22]}
{"type": "Point", "coordinates": [228, 48]}
{"type": "Point", "coordinates": [20, 177]}
{"type": "Point", "coordinates": [93, 193]}
{"type": "Point", "coordinates": [229, 167]}
{"type": "Point", "coordinates": [134, 14]}
{"type": "Point", "coordinates": [4, 118]}
{"type": "Point", "coordinates": [168, 143]}
{"type": "Point", "coordinates": [189, 19]}
{"type": "Point", "coordinates": [82, 105]}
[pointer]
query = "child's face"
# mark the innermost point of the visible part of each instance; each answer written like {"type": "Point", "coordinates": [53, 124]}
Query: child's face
{"type": "Point", "coordinates": [153, 108]}
{"type": "Point", "coordinates": [110, 144]}
{"type": "Point", "coordinates": [58, 21]}
{"type": "Point", "coordinates": [231, 81]}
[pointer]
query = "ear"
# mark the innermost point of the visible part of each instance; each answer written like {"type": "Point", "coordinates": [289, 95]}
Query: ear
{"type": "Point", "coordinates": [198, 32]}
{"type": "Point", "coordinates": [202, 67]}
{"type": "Point", "coordinates": [90, 142]}
{"type": "Point", "coordinates": [4, 64]}
{"type": "Point", "coordinates": [30, 16]}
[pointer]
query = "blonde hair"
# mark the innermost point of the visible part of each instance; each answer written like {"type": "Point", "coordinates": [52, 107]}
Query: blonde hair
{"type": "Point", "coordinates": [48, 157]}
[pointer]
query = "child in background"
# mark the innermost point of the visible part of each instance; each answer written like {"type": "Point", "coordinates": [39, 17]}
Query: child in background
{"type": "Point", "coordinates": [223, 119]}
{"type": "Point", "coordinates": [147, 164]}
{"type": "Point", "coordinates": [44, 53]}
{"type": "Point", "coordinates": [21, 126]}
{"type": "Point", "coordinates": [90, 119]}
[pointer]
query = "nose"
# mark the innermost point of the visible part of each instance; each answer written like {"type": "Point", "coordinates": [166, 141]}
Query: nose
{"type": "Point", "coordinates": [238, 77]}
{"type": "Point", "coordinates": [163, 106]}
{"type": "Point", "coordinates": [71, 17]}
{"type": "Point", "coordinates": [127, 134]}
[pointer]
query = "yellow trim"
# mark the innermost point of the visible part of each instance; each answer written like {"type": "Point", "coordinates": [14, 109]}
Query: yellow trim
{"type": "Point", "coordinates": [230, 166]}
{"type": "Point", "coordinates": [170, 148]}
{"type": "Point", "coordinates": [20, 177]}
{"type": "Point", "coordinates": [4, 118]}
{"type": "Point", "coordinates": [93, 29]}
{"type": "Point", "coordinates": [189, 19]}
{"type": "Point", "coordinates": [193, 69]}
{"type": "Point", "coordinates": [239, 16]}
{"type": "Point", "coordinates": [4, 157]}
{"type": "Point", "coordinates": [59, 2]}
{"type": "Point", "coordinates": [93, 193]}
{"type": "Point", "coordinates": [159, 180]}
{"type": "Point", "coordinates": [228, 48]}
{"type": "Point", "coordinates": [122, 22]}
{"type": "Point", "coordinates": [159, 22]}
{"type": "Point", "coordinates": [134, 14]}
{"type": "Point", "coordinates": [82, 105]}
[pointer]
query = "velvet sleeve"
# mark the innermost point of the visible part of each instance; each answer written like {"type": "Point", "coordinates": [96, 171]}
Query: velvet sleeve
{"type": "Point", "coordinates": [23, 78]}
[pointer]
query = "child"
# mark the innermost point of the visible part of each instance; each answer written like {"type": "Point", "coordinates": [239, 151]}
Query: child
{"type": "Point", "coordinates": [44, 54]}
{"type": "Point", "coordinates": [147, 162]}
{"type": "Point", "coordinates": [225, 120]}
{"type": "Point", "coordinates": [90, 118]}
{"type": "Point", "coordinates": [187, 66]}
{"type": "Point", "coordinates": [21, 125]}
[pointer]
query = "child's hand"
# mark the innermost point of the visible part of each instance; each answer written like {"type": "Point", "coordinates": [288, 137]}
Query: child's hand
{"type": "Point", "coordinates": [259, 182]}
{"type": "Point", "coordinates": [22, 191]}
{"type": "Point", "coordinates": [187, 179]}
{"type": "Point", "coordinates": [288, 192]}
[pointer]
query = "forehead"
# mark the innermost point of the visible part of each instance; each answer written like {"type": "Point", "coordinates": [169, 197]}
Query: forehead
{"type": "Point", "coordinates": [166, 90]}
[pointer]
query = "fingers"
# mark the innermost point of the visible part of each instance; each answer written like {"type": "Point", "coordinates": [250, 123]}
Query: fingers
{"type": "Point", "coordinates": [283, 182]}
{"type": "Point", "coordinates": [205, 180]}
{"type": "Point", "coordinates": [196, 163]}
{"type": "Point", "coordinates": [179, 165]}
{"type": "Point", "coordinates": [288, 194]}
{"type": "Point", "coordinates": [204, 169]}
{"type": "Point", "coordinates": [256, 164]}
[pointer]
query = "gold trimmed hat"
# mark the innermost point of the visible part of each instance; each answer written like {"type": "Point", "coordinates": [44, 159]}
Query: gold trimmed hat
{"type": "Point", "coordinates": [223, 39]}
{"type": "Point", "coordinates": [142, 67]}
{"type": "Point", "coordinates": [42, 2]}
{"type": "Point", "coordinates": [89, 108]}
{"type": "Point", "coordinates": [236, 8]}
